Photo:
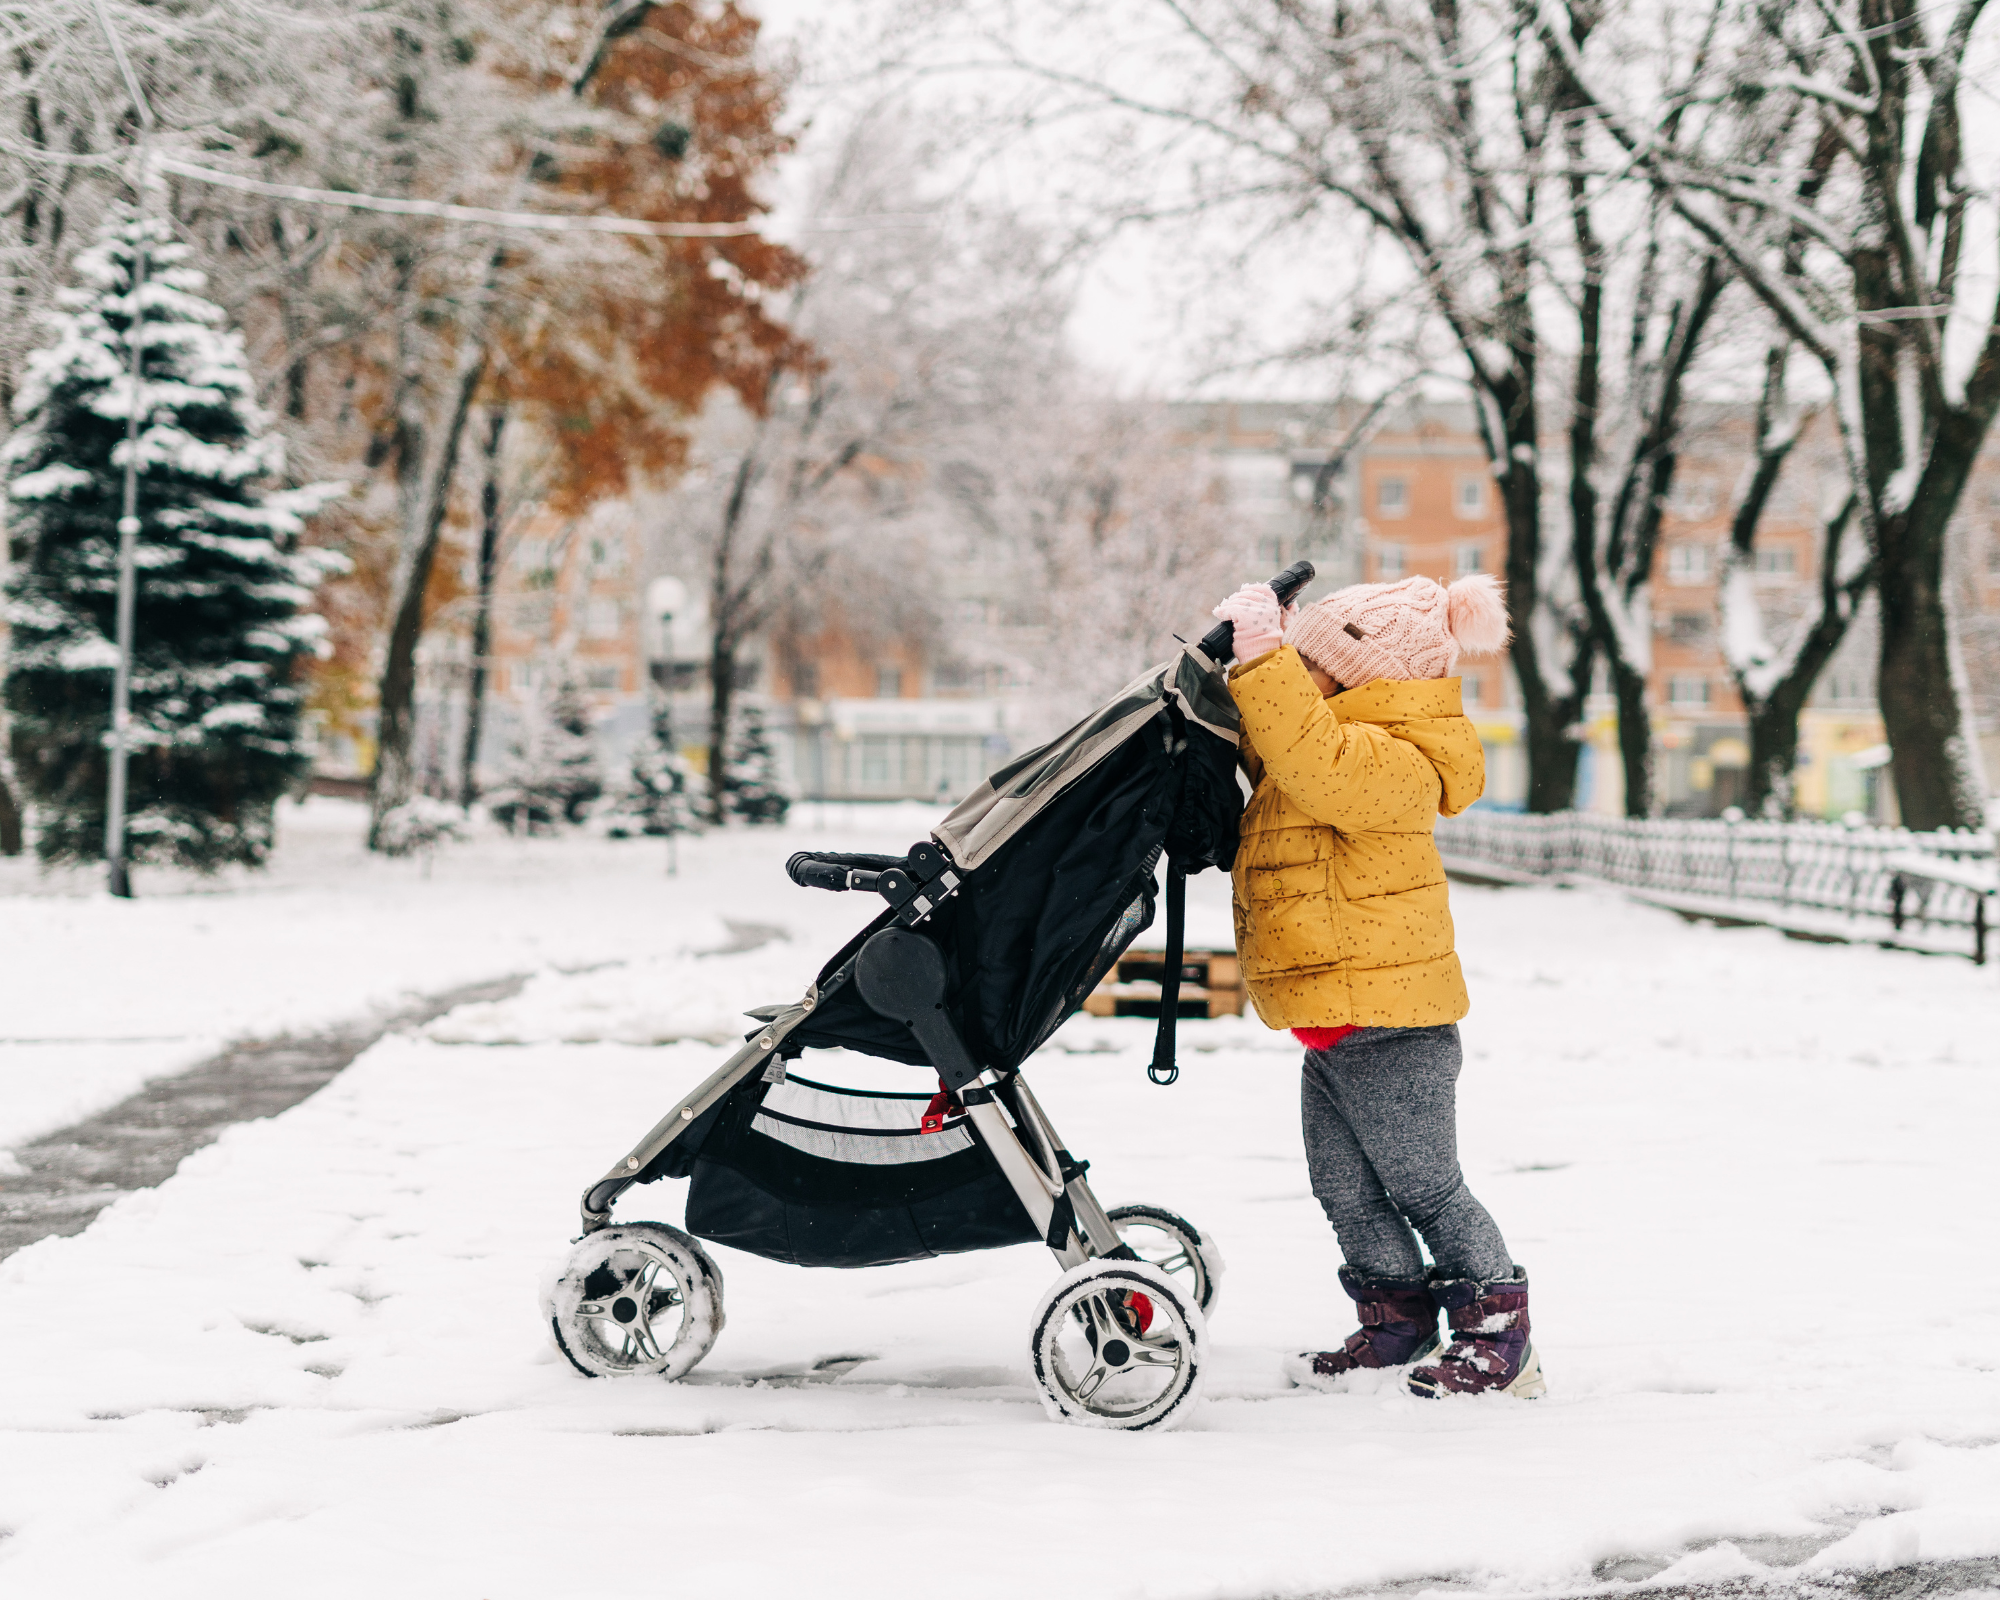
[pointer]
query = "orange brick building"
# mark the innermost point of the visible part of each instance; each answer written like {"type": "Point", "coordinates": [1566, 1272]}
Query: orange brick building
{"type": "Point", "coordinates": [1417, 496]}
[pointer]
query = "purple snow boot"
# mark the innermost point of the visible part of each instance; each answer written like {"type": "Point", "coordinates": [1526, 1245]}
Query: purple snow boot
{"type": "Point", "coordinates": [1490, 1349]}
{"type": "Point", "coordinates": [1398, 1326]}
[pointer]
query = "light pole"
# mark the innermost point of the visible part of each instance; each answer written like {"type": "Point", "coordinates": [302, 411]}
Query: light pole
{"type": "Point", "coordinates": [120, 880]}
{"type": "Point", "coordinates": [664, 597]}
{"type": "Point", "coordinates": [128, 540]}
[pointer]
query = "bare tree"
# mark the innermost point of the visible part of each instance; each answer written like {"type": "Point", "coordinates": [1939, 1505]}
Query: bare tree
{"type": "Point", "coordinates": [1443, 129]}
{"type": "Point", "coordinates": [1775, 674]}
{"type": "Point", "coordinates": [1852, 234]}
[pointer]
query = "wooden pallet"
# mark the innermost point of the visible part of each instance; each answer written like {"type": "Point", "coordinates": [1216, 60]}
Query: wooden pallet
{"type": "Point", "coordinates": [1211, 986]}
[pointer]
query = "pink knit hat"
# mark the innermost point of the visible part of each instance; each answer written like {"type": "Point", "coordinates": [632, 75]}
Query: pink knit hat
{"type": "Point", "coordinates": [1415, 628]}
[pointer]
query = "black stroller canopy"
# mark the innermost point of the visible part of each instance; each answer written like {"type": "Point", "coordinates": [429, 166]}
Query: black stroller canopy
{"type": "Point", "coordinates": [1058, 852]}
{"type": "Point", "coordinates": [994, 812]}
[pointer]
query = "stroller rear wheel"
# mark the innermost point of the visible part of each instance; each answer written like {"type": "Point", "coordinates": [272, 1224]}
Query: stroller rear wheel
{"type": "Point", "coordinates": [1172, 1244]}
{"type": "Point", "coordinates": [1118, 1344]}
{"type": "Point", "coordinates": [640, 1297]}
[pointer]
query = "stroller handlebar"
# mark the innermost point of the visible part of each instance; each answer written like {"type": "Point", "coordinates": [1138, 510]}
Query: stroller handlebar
{"type": "Point", "coordinates": [914, 884]}
{"type": "Point", "coordinates": [839, 873]}
{"type": "Point", "coordinates": [1219, 643]}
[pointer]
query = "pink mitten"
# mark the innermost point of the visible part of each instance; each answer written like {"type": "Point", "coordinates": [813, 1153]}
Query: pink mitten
{"type": "Point", "coordinates": [1258, 618]}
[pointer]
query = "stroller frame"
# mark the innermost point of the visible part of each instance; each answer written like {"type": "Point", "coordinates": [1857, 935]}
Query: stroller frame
{"type": "Point", "coordinates": [902, 976]}
{"type": "Point", "coordinates": [1120, 1339]}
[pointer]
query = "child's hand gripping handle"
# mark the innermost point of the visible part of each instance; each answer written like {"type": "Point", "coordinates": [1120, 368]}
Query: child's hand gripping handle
{"type": "Point", "coordinates": [1219, 643]}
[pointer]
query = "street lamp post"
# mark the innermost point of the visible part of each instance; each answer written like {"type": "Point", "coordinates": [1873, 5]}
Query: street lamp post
{"type": "Point", "coordinates": [128, 542]}
{"type": "Point", "coordinates": [120, 879]}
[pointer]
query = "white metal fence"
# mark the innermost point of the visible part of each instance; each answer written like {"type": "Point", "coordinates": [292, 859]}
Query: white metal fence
{"type": "Point", "coordinates": [1942, 884]}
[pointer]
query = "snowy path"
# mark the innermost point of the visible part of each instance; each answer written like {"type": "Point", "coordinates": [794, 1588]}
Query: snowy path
{"type": "Point", "coordinates": [1751, 1180]}
{"type": "Point", "coordinates": [98, 995]}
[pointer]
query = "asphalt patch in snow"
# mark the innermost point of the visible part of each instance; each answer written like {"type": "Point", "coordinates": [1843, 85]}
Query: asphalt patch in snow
{"type": "Point", "coordinates": [1637, 1576]}
{"type": "Point", "coordinates": [58, 1184]}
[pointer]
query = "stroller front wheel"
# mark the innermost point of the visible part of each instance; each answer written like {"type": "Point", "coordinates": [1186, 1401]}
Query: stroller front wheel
{"type": "Point", "coordinates": [637, 1298]}
{"type": "Point", "coordinates": [1118, 1344]}
{"type": "Point", "coordinates": [1175, 1246]}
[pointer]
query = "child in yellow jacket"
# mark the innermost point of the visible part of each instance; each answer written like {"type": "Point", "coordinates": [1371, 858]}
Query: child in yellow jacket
{"type": "Point", "coordinates": [1355, 740]}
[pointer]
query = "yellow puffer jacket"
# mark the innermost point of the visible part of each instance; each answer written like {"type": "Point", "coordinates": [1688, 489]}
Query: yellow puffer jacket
{"type": "Point", "coordinates": [1341, 914]}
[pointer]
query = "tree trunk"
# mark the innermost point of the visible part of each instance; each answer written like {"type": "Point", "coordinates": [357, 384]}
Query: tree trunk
{"type": "Point", "coordinates": [394, 779]}
{"type": "Point", "coordinates": [1774, 742]}
{"type": "Point", "coordinates": [721, 706]}
{"type": "Point", "coordinates": [482, 615]}
{"type": "Point", "coordinates": [10, 820]}
{"type": "Point", "coordinates": [1552, 752]}
{"type": "Point", "coordinates": [1547, 715]}
{"type": "Point", "coordinates": [1774, 716]}
{"type": "Point", "coordinates": [728, 598]}
{"type": "Point", "coordinates": [1635, 736]}
{"type": "Point", "coordinates": [1931, 761]}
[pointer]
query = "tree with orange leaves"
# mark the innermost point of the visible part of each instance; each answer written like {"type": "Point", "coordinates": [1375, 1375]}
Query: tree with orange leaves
{"type": "Point", "coordinates": [610, 344]}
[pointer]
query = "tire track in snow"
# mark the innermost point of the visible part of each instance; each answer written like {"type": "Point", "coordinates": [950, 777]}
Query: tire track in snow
{"type": "Point", "coordinates": [67, 1177]}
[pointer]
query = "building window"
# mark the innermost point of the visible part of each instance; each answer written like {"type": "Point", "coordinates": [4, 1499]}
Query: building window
{"type": "Point", "coordinates": [1687, 563]}
{"type": "Point", "coordinates": [1392, 497]}
{"type": "Point", "coordinates": [1470, 687]}
{"type": "Point", "coordinates": [1388, 563]}
{"type": "Point", "coordinates": [1778, 558]}
{"type": "Point", "coordinates": [533, 613]}
{"type": "Point", "coordinates": [602, 679]}
{"type": "Point", "coordinates": [1693, 500]}
{"type": "Point", "coordinates": [875, 759]}
{"type": "Point", "coordinates": [1849, 688]}
{"type": "Point", "coordinates": [602, 619]}
{"type": "Point", "coordinates": [957, 678]}
{"type": "Point", "coordinates": [1687, 692]}
{"type": "Point", "coordinates": [888, 683]}
{"type": "Point", "coordinates": [608, 556]}
{"type": "Point", "coordinates": [1688, 627]}
{"type": "Point", "coordinates": [1468, 559]}
{"type": "Point", "coordinates": [1470, 500]}
{"type": "Point", "coordinates": [532, 556]}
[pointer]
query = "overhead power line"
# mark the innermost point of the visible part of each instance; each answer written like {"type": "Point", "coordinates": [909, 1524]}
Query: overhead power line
{"type": "Point", "coordinates": [443, 211]}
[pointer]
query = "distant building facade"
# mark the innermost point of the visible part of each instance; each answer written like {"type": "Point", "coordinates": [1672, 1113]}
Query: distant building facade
{"type": "Point", "coordinates": [1408, 492]}
{"type": "Point", "coordinates": [1412, 492]}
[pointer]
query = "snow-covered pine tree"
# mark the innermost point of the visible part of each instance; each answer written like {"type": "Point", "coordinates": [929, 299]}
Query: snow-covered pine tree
{"type": "Point", "coordinates": [571, 750]}
{"type": "Point", "coordinates": [221, 628]}
{"type": "Point", "coordinates": [750, 782]}
{"type": "Point", "coordinates": [554, 774]}
{"type": "Point", "coordinates": [658, 797]}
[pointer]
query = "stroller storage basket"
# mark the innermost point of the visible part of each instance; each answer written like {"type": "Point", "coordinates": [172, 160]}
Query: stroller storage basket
{"type": "Point", "coordinates": [819, 1176]}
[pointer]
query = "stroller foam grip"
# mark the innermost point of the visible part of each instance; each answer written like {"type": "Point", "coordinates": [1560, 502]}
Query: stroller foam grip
{"type": "Point", "coordinates": [828, 869]}
{"type": "Point", "coordinates": [807, 871]}
{"type": "Point", "coordinates": [1219, 643]}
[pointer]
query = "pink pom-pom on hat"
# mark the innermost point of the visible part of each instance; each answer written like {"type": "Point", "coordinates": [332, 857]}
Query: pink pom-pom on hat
{"type": "Point", "coordinates": [1413, 629]}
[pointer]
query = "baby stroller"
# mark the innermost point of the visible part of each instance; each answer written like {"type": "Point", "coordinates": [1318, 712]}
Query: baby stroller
{"type": "Point", "coordinates": [994, 930]}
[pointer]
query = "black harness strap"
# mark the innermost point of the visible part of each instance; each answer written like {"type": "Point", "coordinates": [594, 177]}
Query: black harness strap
{"type": "Point", "coordinates": [1062, 1222]}
{"type": "Point", "coordinates": [1163, 1071]}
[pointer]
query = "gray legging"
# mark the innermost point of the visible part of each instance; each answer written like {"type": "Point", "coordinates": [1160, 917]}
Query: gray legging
{"type": "Point", "coordinates": [1380, 1111]}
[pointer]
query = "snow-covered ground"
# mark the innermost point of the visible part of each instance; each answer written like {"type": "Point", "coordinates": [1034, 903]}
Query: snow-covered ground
{"type": "Point", "coordinates": [1751, 1180]}
{"type": "Point", "coordinates": [97, 994]}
